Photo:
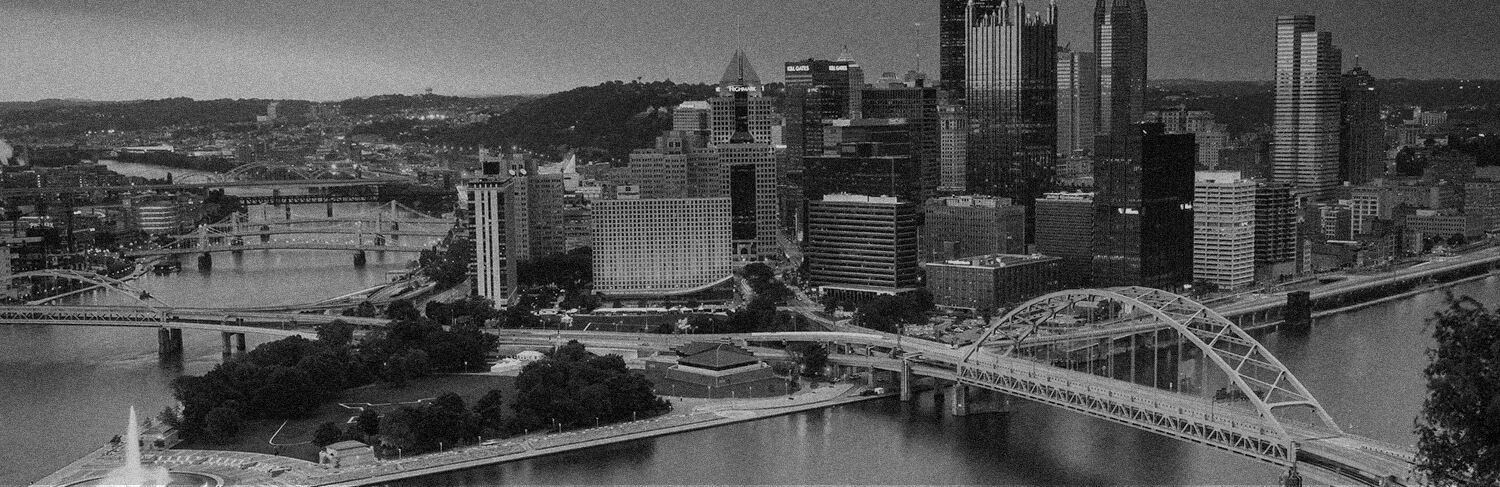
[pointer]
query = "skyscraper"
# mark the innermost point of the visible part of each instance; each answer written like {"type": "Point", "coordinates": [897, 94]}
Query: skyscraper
{"type": "Point", "coordinates": [656, 246]}
{"type": "Point", "coordinates": [1305, 144]}
{"type": "Point", "coordinates": [817, 91]}
{"type": "Point", "coordinates": [1275, 229]}
{"type": "Point", "coordinates": [1120, 40]}
{"type": "Point", "coordinates": [953, 148]}
{"type": "Point", "coordinates": [1010, 98]}
{"type": "Point", "coordinates": [741, 112]}
{"type": "Point", "coordinates": [966, 226]}
{"type": "Point", "coordinates": [1065, 229]}
{"type": "Point", "coordinates": [951, 31]}
{"type": "Point", "coordinates": [1077, 100]}
{"type": "Point", "coordinates": [861, 246]}
{"type": "Point", "coordinates": [749, 179]}
{"type": "Point", "coordinates": [1361, 133]}
{"type": "Point", "coordinates": [918, 105]}
{"type": "Point", "coordinates": [1143, 216]}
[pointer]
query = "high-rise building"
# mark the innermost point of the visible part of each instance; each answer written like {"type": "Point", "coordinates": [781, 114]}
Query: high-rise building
{"type": "Point", "coordinates": [952, 27]}
{"type": "Point", "coordinates": [861, 246]}
{"type": "Point", "coordinates": [1010, 97]}
{"type": "Point", "coordinates": [918, 106]}
{"type": "Point", "coordinates": [693, 117]}
{"type": "Point", "coordinates": [749, 179]}
{"type": "Point", "coordinates": [1305, 147]}
{"type": "Point", "coordinates": [1065, 229]}
{"type": "Point", "coordinates": [1210, 135]}
{"type": "Point", "coordinates": [965, 226]}
{"type": "Point", "coordinates": [817, 90]}
{"type": "Point", "coordinates": [953, 137]}
{"type": "Point", "coordinates": [515, 213]}
{"type": "Point", "coordinates": [1361, 133]}
{"type": "Point", "coordinates": [1143, 216]}
{"type": "Point", "coordinates": [1275, 224]}
{"type": "Point", "coordinates": [1224, 229]}
{"type": "Point", "coordinates": [1077, 100]}
{"type": "Point", "coordinates": [741, 112]}
{"type": "Point", "coordinates": [681, 165]}
{"type": "Point", "coordinates": [660, 246]}
{"type": "Point", "coordinates": [1120, 41]}
{"type": "Point", "coordinates": [863, 168]}
{"type": "Point", "coordinates": [493, 270]}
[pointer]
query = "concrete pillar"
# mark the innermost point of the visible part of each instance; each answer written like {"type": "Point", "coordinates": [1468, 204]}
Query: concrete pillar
{"type": "Point", "coordinates": [905, 381]}
{"type": "Point", "coordinates": [870, 379]}
{"type": "Point", "coordinates": [359, 258]}
{"type": "Point", "coordinates": [958, 400]}
{"type": "Point", "coordinates": [205, 261]}
{"type": "Point", "coordinates": [1297, 312]}
{"type": "Point", "coordinates": [168, 343]}
{"type": "Point", "coordinates": [227, 349]}
{"type": "Point", "coordinates": [330, 209]}
{"type": "Point", "coordinates": [1294, 479]}
{"type": "Point", "coordinates": [239, 343]}
{"type": "Point", "coordinates": [176, 337]}
{"type": "Point", "coordinates": [288, 211]}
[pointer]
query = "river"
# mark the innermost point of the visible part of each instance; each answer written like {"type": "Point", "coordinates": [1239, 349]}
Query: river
{"type": "Point", "coordinates": [65, 390]}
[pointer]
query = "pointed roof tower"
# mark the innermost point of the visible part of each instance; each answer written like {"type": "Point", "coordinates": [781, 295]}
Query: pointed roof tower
{"type": "Point", "coordinates": [739, 72]}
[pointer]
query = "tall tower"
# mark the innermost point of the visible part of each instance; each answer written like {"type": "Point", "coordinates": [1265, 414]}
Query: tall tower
{"type": "Point", "coordinates": [951, 32]}
{"type": "Point", "coordinates": [1305, 138]}
{"type": "Point", "coordinates": [1361, 150]}
{"type": "Point", "coordinates": [1143, 216]}
{"type": "Point", "coordinates": [1120, 40]}
{"type": "Point", "coordinates": [1010, 98]}
{"type": "Point", "coordinates": [1077, 100]}
{"type": "Point", "coordinates": [741, 112]}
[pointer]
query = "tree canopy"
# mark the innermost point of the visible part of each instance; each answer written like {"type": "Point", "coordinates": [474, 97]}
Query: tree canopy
{"type": "Point", "coordinates": [575, 388]}
{"type": "Point", "coordinates": [1459, 429]}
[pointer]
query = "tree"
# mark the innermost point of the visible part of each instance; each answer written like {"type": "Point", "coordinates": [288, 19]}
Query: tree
{"type": "Point", "coordinates": [336, 334]}
{"type": "Point", "coordinates": [327, 433]}
{"type": "Point", "coordinates": [368, 421]}
{"type": "Point", "coordinates": [170, 416]}
{"type": "Point", "coordinates": [1459, 428]}
{"type": "Point", "coordinates": [812, 357]}
{"type": "Point", "coordinates": [404, 367]}
{"type": "Point", "coordinates": [402, 310]}
{"type": "Point", "coordinates": [222, 423]}
{"type": "Point", "coordinates": [491, 410]}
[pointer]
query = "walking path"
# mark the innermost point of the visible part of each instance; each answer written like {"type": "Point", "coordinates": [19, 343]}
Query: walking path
{"type": "Point", "coordinates": [241, 468]}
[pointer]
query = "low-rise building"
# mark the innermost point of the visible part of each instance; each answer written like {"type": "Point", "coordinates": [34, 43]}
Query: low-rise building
{"type": "Point", "coordinates": [347, 453]}
{"type": "Point", "coordinates": [985, 283]}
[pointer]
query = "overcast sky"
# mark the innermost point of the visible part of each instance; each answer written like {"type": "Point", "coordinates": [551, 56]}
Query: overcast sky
{"type": "Point", "coordinates": [334, 49]}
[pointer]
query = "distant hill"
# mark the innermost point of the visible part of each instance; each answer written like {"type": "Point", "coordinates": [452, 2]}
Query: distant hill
{"type": "Point", "coordinates": [603, 122]}
{"type": "Point", "coordinates": [1245, 105]}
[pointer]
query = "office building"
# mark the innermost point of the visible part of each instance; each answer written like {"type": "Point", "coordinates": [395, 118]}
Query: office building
{"type": "Point", "coordinates": [985, 284]}
{"type": "Point", "coordinates": [680, 165]}
{"type": "Point", "coordinates": [515, 213]}
{"type": "Point", "coordinates": [960, 226]}
{"type": "Point", "coordinates": [952, 28]}
{"type": "Point", "coordinates": [1305, 124]}
{"type": "Point", "coordinates": [1361, 133]}
{"type": "Point", "coordinates": [1143, 217]}
{"type": "Point", "coordinates": [749, 179]}
{"type": "Point", "coordinates": [918, 106]}
{"type": "Point", "coordinates": [863, 168]}
{"type": "Point", "coordinates": [741, 112]}
{"type": "Point", "coordinates": [693, 117]}
{"type": "Point", "coordinates": [1120, 41]}
{"type": "Point", "coordinates": [1065, 229]}
{"type": "Point", "coordinates": [660, 246]}
{"type": "Point", "coordinates": [862, 246]}
{"type": "Point", "coordinates": [1446, 224]}
{"type": "Point", "coordinates": [953, 137]}
{"type": "Point", "coordinates": [1212, 137]}
{"type": "Point", "coordinates": [157, 217]}
{"type": "Point", "coordinates": [491, 203]}
{"type": "Point", "coordinates": [817, 90]}
{"type": "Point", "coordinates": [1010, 98]}
{"type": "Point", "coordinates": [1077, 100]}
{"type": "Point", "coordinates": [1224, 229]}
{"type": "Point", "coordinates": [1275, 229]}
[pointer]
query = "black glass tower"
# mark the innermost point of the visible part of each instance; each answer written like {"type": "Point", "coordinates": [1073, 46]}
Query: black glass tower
{"type": "Point", "coordinates": [1010, 98]}
{"type": "Point", "coordinates": [1143, 210]}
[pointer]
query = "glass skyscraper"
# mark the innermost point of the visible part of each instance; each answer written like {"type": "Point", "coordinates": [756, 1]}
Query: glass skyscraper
{"type": "Point", "coordinates": [1010, 98]}
{"type": "Point", "coordinates": [1120, 41]}
{"type": "Point", "coordinates": [1305, 138]}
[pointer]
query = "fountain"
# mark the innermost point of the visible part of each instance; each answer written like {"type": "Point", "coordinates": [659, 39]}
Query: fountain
{"type": "Point", "coordinates": [134, 473]}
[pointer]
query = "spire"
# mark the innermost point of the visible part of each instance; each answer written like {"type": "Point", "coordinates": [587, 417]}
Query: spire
{"type": "Point", "coordinates": [739, 72]}
{"type": "Point", "coordinates": [844, 56]}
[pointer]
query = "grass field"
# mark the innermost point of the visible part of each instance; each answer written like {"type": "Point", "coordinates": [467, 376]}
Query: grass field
{"type": "Point", "coordinates": [295, 437]}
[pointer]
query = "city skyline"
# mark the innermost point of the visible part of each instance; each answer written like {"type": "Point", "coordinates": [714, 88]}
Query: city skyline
{"type": "Point", "coordinates": [325, 50]}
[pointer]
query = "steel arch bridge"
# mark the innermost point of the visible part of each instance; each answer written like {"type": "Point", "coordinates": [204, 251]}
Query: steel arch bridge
{"type": "Point", "coordinates": [244, 171]}
{"type": "Point", "coordinates": [1075, 338]}
{"type": "Point", "coordinates": [112, 285]}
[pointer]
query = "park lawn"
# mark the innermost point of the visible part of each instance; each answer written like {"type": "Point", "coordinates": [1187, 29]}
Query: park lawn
{"type": "Point", "coordinates": [295, 439]}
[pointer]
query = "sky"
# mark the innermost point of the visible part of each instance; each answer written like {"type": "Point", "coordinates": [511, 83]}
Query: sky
{"type": "Point", "coordinates": [336, 49]}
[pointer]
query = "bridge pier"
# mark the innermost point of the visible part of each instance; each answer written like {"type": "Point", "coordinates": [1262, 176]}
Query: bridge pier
{"type": "Point", "coordinates": [958, 400]}
{"type": "Point", "coordinates": [870, 377]}
{"type": "Point", "coordinates": [905, 381]}
{"type": "Point", "coordinates": [359, 258]}
{"type": "Point", "coordinates": [330, 209]}
{"type": "Point", "coordinates": [205, 262]}
{"type": "Point", "coordinates": [169, 341]}
{"type": "Point", "coordinates": [234, 343]}
{"type": "Point", "coordinates": [1292, 478]}
{"type": "Point", "coordinates": [1297, 313]}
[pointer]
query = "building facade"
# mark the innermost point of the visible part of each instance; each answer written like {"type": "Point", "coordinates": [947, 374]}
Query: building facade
{"type": "Point", "coordinates": [1143, 217]}
{"type": "Point", "coordinates": [985, 283]}
{"type": "Point", "coordinates": [862, 245]}
{"type": "Point", "coordinates": [741, 113]}
{"type": "Point", "coordinates": [918, 106]}
{"type": "Point", "coordinates": [1010, 98]}
{"type": "Point", "coordinates": [660, 246]}
{"type": "Point", "coordinates": [1120, 40]}
{"type": "Point", "coordinates": [1224, 229]}
{"type": "Point", "coordinates": [1361, 132]}
{"type": "Point", "coordinates": [1065, 229]}
{"type": "Point", "coordinates": [1305, 145]}
{"type": "Point", "coordinates": [961, 226]}
{"type": "Point", "coordinates": [1077, 101]}
{"type": "Point", "coordinates": [749, 179]}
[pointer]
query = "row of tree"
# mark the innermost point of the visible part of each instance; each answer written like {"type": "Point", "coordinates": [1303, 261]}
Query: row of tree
{"type": "Point", "coordinates": [288, 378]}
